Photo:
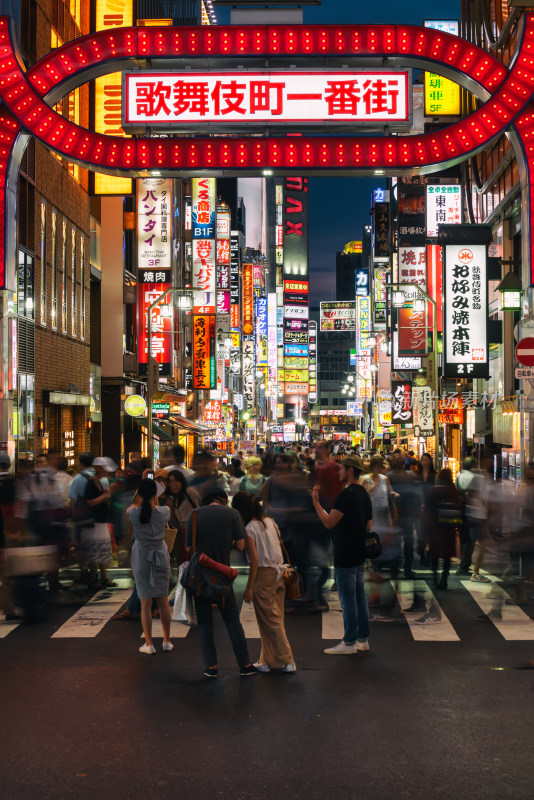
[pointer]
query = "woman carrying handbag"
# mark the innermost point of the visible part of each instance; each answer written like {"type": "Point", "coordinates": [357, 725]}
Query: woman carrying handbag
{"type": "Point", "coordinates": [269, 589]}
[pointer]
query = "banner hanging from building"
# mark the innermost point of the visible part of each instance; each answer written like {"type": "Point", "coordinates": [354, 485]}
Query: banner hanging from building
{"type": "Point", "coordinates": [434, 271]}
{"type": "Point", "coordinates": [204, 369]}
{"type": "Point", "coordinates": [423, 411]}
{"type": "Point", "coordinates": [465, 335]}
{"type": "Point", "coordinates": [204, 276]}
{"type": "Point", "coordinates": [412, 332]}
{"type": "Point", "coordinates": [401, 403]}
{"type": "Point", "coordinates": [154, 231]}
{"type": "Point", "coordinates": [381, 232]}
{"type": "Point", "coordinates": [380, 304]}
{"type": "Point", "coordinates": [248, 299]}
{"type": "Point", "coordinates": [249, 375]}
{"type": "Point", "coordinates": [442, 96]}
{"type": "Point", "coordinates": [338, 315]}
{"type": "Point", "coordinates": [204, 206]}
{"type": "Point", "coordinates": [443, 206]}
{"type": "Point", "coordinates": [148, 293]}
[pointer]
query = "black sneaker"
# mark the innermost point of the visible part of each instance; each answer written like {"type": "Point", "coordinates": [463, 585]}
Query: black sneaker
{"type": "Point", "coordinates": [248, 670]}
{"type": "Point", "coordinates": [211, 672]}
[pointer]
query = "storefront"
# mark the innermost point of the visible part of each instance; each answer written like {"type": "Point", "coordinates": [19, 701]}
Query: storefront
{"type": "Point", "coordinates": [66, 424]}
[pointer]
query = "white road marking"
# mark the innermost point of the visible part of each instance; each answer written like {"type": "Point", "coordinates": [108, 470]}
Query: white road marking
{"type": "Point", "coordinates": [441, 631]}
{"type": "Point", "coordinates": [249, 622]}
{"type": "Point", "coordinates": [7, 627]}
{"type": "Point", "coordinates": [515, 625]}
{"type": "Point", "coordinates": [178, 631]}
{"type": "Point", "coordinates": [332, 621]}
{"type": "Point", "coordinates": [89, 620]}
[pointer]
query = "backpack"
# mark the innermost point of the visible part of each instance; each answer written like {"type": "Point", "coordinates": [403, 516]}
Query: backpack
{"type": "Point", "coordinates": [82, 513]}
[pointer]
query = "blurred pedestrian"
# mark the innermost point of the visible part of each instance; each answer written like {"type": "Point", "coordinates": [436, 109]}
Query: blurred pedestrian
{"type": "Point", "coordinates": [151, 562]}
{"type": "Point", "coordinates": [253, 481]}
{"type": "Point", "coordinates": [350, 521]}
{"type": "Point", "coordinates": [327, 475]}
{"type": "Point", "coordinates": [95, 541]}
{"type": "Point", "coordinates": [444, 516]}
{"type": "Point", "coordinates": [268, 589]}
{"type": "Point", "coordinates": [181, 501]}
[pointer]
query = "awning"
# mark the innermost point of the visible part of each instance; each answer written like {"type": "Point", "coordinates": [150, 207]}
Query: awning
{"type": "Point", "coordinates": [162, 434]}
{"type": "Point", "coordinates": [188, 425]}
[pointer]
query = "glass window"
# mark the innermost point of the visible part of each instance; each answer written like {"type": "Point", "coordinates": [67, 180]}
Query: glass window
{"type": "Point", "coordinates": [95, 243]}
{"type": "Point", "coordinates": [54, 269]}
{"type": "Point", "coordinates": [23, 417]}
{"type": "Point", "coordinates": [82, 287]}
{"type": "Point", "coordinates": [25, 277]}
{"type": "Point", "coordinates": [43, 263]}
{"type": "Point", "coordinates": [64, 278]}
{"type": "Point", "coordinates": [74, 298]}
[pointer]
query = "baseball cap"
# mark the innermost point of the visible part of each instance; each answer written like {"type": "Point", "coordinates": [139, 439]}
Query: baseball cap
{"type": "Point", "coordinates": [352, 461]}
{"type": "Point", "coordinates": [106, 463]}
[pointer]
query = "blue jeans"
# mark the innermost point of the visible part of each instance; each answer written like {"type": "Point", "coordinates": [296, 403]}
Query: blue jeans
{"type": "Point", "coordinates": [351, 590]}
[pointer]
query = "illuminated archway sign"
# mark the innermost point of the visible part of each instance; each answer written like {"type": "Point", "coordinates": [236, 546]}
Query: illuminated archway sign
{"type": "Point", "coordinates": [28, 97]}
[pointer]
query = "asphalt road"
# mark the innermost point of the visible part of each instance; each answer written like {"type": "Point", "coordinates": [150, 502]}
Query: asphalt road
{"type": "Point", "coordinates": [92, 718]}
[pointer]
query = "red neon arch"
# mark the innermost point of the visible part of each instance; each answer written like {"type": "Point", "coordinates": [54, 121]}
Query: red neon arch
{"type": "Point", "coordinates": [23, 95]}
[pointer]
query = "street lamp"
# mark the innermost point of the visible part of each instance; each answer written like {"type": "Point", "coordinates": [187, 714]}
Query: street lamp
{"type": "Point", "coordinates": [185, 302]}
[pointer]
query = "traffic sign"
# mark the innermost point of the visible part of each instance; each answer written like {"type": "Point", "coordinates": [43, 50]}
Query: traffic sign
{"type": "Point", "coordinates": [524, 373]}
{"type": "Point", "coordinates": [524, 351]}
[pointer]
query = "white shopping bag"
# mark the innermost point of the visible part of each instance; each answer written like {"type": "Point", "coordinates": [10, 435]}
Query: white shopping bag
{"type": "Point", "coordinates": [183, 609]}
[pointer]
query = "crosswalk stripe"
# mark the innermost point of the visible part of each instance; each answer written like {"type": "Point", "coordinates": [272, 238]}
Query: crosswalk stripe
{"type": "Point", "coordinates": [249, 622]}
{"type": "Point", "coordinates": [441, 631]}
{"type": "Point", "coordinates": [178, 631]}
{"type": "Point", "coordinates": [332, 622]}
{"type": "Point", "coordinates": [515, 625]}
{"type": "Point", "coordinates": [7, 627]}
{"type": "Point", "coordinates": [89, 620]}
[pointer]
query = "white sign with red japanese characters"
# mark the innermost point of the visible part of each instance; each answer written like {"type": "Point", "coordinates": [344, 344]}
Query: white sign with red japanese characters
{"type": "Point", "coordinates": [412, 265]}
{"type": "Point", "coordinates": [171, 98]}
{"type": "Point", "coordinates": [154, 203]}
{"type": "Point", "coordinates": [443, 207]}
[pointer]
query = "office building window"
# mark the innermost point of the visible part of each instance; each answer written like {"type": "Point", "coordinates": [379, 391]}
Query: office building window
{"type": "Point", "coordinates": [74, 309]}
{"type": "Point", "coordinates": [54, 269]}
{"type": "Point", "coordinates": [25, 277]}
{"type": "Point", "coordinates": [82, 287]}
{"type": "Point", "coordinates": [42, 310]}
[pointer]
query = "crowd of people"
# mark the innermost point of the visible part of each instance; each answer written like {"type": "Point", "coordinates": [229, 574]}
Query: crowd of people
{"type": "Point", "coordinates": [290, 509]}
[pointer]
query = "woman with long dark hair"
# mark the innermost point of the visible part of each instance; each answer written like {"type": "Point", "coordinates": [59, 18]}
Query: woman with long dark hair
{"type": "Point", "coordinates": [150, 561]}
{"type": "Point", "coordinates": [426, 474]}
{"type": "Point", "coordinates": [268, 591]}
{"type": "Point", "coordinates": [181, 500]}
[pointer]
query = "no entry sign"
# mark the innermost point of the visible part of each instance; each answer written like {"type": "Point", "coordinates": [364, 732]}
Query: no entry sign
{"type": "Point", "coordinates": [524, 351]}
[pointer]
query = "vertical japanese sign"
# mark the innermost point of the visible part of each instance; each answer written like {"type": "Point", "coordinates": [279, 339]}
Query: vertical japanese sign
{"type": "Point", "coordinates": [434, 254]}
{"type": "Point", "coordinates": [380, 297]}
{"type": "Point", "coordinates": [234, 278]}
{"type": "Point", "coordinates": [248, 299]}
{"type": "Point", "coordinates": [204, 207]}
{"type": "Point", "coordinates": [442, 96]}
{"type": "Point", "coordinates": [295, 228]}
{"type": "Point", "coordinates": [381, 232]}
{"type": "Point", "coordinates": [412, 333]}
{"type": "Point", "coordinates": [148, 293]}
{"type": "Point", "coordinates": [261, 316]}
{"type": "Point", "coordinates": [249, 375]}
{"type": "Point", "coordinates": [443, 207]}
{"type": "Point", "coordinates": [423, 411]}
{"type": "Point", "coordinates": [312, 334]}
{"type": "Point", "coordinates": [204, 276]}
{"type": "Point", "coordinates": [154, 234]}
{"type": "Point", "coordinates": [412, 265]}
{"type": "Point", "coordinates": [361, 280]}
{"type": "Point", "coordinates": [213, 411]}
{"type": "Point", "coordinates": [465, 319]}
{"type": "Point", "coordinates": [363, 351]}
{"type": "Point", "coordinates": [401, 403]}
{"type": "Point", "coordinates": [411, 196]}
{"type": "Point", "coordinates": [204, 372]}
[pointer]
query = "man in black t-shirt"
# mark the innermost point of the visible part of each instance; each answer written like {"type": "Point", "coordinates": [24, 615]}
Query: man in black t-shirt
{"type": "Point", "coordinates": [218, 529]}
{"type": "Point", "coordinates": [349, 521]}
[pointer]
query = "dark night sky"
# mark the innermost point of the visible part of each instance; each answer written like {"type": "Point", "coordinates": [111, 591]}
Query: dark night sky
{"type": "Point", "coordinates": [339, 207]}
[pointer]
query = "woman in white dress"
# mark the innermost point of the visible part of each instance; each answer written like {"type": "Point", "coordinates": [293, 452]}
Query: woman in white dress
{"type": "Point", "coordinates": [150, 561]}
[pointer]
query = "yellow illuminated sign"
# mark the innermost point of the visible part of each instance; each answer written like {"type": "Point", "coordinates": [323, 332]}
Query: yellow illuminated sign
{"type": "Point", "coordinates": [108, 92]}
{"type": "Point", "coordinates": [293, 375]}
{"type": "Point", "coordinates": [442, 96]}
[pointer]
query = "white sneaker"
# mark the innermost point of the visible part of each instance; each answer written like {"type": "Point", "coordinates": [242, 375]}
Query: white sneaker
{"type": "Point", "coordinates": [362, 646]}
{"type": "Point", "coordinates": [148, 649]}
{"type": "Point", "coordinates": [167, 647]}
{"type": "Point", "coordinates": [261, 667]}
{"type": "Point", "coordinates": [289, 668]}
{"type": "Point", "coordinates": [341, 649]}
